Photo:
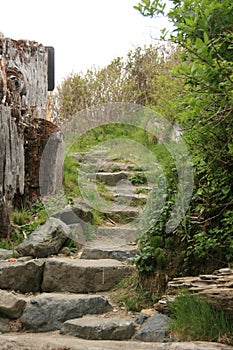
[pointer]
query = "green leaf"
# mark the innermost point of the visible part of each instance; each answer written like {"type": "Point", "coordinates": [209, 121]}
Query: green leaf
{"type": "Point", "coordinates": [206, 38]}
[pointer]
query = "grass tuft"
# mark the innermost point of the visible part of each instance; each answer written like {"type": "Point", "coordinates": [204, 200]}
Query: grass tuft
{"type": "Point", "coordinates": [194, 319]}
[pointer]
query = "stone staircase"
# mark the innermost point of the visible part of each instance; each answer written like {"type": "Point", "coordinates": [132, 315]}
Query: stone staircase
{"type": "Point", "coordinates": [44, 292]}
{"type": "Point", "coordinates": [50, 290]}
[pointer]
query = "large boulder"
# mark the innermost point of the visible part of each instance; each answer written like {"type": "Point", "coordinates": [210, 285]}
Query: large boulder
{"type": "Point", "coordinates": [47, 312]}
{"type": "Point", "coordinates": [46, 240]}
{"type": "Point", "coordinates": [21, 276]}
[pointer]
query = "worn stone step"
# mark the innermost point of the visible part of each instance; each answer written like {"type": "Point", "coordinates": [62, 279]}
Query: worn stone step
{"type": "Point", "coordinates": [122, 253]}
{"type": "Point", "coordinates": [56, 341]}
{"type": "Point", "coordinates": [113, 236]}
{"type": "Point", "coordinates": [82, 276]}
{"type": "Point", "coordinates": [121, 213]}
{"type": "Point", "coordinates": [23, 276]}
{"type": "Point", "coordinates": [109, 166]}
{"type": "Point", "coordinates": [48, 311]}
{"type": "Point", "coordinates": [107, 178]}
{"type": "Point", "coordinates": [99, 328]}
{"type": "Point", "coordinates": [130, 199]}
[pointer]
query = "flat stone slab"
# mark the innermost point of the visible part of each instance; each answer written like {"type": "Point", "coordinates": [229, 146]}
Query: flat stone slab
{"type": "Point", "coordinates": [22, 276]}
{"type": "Point", "coordinates": [99, 328]}
{"type": "Point", "coordinates": [83, 276]}
{"type": "Point", "coordinates": [121, 254]}
{"type": "Point", "coordinates": [55, 341]}
{"type": "Point", "coordinates": [47, 312]}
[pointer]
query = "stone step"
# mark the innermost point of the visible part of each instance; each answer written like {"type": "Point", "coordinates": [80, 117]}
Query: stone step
{"type": "Point", "coordinates": [130, 199]}
{"type": "Point", "coordinates": [56, 341]}
{"type": "Point", "coordinates": [109, 166]}
{"type": "Point", "coordinates": [122, 253]}
{"type": "Point", "coordinates": [99, 328]}
{"type": "Point", "coordinates": [48, 311]}
{"type": "Point", "coordinates": [62, 275]}
{"type": "Point", "coordinates": [113, 236]}
{"type": "Point", "coordinates": [22, 276]}
{"type": "Point", "coordinates": [107, 178]}
{"type": "Point", "coordinates": [82, 276]}
{"type": "Point", "coordinates": [122, 214]}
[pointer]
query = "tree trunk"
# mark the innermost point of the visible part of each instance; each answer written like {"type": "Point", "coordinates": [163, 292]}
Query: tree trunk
{"type": "Point", "coordinates": [23, 128]}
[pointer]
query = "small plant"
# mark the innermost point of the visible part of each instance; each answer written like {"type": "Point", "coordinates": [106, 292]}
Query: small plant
{"type": "Point", "coordinates": [138, 179]}
{"type": "Point", "coordinates": [137, 299]}
{"type": "Point", "coordinates": [116, 169]}
{"type": "Point", "coordinates": [25, 221]}
{"type": "Point", "coordinates": [70, 181]}
{"type": "Point", "coordinates": [21, 217]}
{"type": "Point", "coordinates": [141, 190]}
{"type": "Point", "coordinates": [195, 319]}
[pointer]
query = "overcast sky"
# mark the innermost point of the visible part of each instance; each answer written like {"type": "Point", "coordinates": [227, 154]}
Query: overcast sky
{"type": "Point", "coordinates": [83, 33]}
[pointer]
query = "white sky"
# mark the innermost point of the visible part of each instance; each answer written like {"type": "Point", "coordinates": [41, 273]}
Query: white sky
{"type": "Point", "coordinates": [83, 33]}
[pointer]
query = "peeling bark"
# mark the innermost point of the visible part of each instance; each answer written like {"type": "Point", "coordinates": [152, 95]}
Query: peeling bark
{"type": "Point", "coordinates": [24, 131]}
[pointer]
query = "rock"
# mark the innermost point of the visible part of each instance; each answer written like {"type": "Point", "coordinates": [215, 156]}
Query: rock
{"type": "Point", "coordinates": [220, 298]}
{"type": "Point", "coordinates": [4, 325]}
{"type": "Point", "coordinates": [25, 258]}
{"type": "Point", "coordinates": [111, 178]}
{"type": "Point", "coordinates": [83, 210]}
{"type": "Point", "coordinates": [155, 329]}
{"type": "Point", "coordinates": [46, 240]}
{"type": "Point", "coordinates": [114, 236]}
{"type": "Point", "coordinates": [67, 215]}
{"type": "Point", "coordinates": [21, 276]}
{"type": "Point", "coordinates": [99, 328]}
{"type": "Point", "coordinates": [121, 254]}
{"type": "Point", "coordinates": [224, 272]}
{"type": "Point", "coordinates": [216, 288]}
{"type": "Point", "coordinates": [82, 276]}
{"type": "Point", "coordinates": [65, 251]}
{"type": "Point", "coordinates": [141, 318]}
{"type": "Point", "coordinates": [47, 312]}
{"type": "Point", "coordinates": [55, 341]}
{"type": "Point", "coordinates": [123, 214]}
{"type": "Point", "coordinates": [5, 253]}
{"type": "Point", "coordinates": [11, 305]}
{"type": "Point", "coordinates": [77, 235]}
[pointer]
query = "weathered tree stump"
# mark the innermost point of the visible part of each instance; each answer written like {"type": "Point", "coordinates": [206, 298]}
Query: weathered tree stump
{"type": "Point", "coordinates": [23, 128]}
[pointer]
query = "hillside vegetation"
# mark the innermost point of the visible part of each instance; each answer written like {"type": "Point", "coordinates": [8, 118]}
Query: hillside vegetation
{"type": "Point", "coordinates": [189, 82]}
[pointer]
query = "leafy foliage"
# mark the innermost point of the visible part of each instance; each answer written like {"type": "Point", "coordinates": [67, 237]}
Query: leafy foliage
{"type": "Point", "coordinates": [143, 77]}
{"type": "Point", "coordinates": [203, 30]}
